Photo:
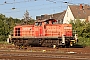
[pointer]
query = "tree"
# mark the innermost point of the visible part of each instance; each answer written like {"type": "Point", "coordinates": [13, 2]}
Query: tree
{"type": "Point", "coordinates": [6, 26]}
{"type": "Point", "coordinates": [83, 31]}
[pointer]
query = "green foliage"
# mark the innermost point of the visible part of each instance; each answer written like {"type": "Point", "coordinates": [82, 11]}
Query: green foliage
{"type": "Point", "coordinates": [7, 24]}
{"type": "Point", "coordinates": [84, 41]}
{"type": "Point", "coordinates": [83, 30]}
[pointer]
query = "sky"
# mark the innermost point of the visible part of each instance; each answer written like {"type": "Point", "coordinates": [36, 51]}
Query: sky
{"type": "Point", "coordinates": [35, 7]}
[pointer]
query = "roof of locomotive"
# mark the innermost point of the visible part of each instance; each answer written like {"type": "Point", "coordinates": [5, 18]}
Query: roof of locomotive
{"type": "Point", "coordinates": [24, 26]}
{"type": "Point", "coordinates": [44, 20]}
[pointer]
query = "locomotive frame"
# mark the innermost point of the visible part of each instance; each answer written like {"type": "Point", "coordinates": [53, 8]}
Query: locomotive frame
{"type": "Point", "coordinates": [44, 39]}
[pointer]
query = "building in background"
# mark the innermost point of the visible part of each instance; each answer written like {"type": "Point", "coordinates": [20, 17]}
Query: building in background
{"type": "Point", "coordinates": [73, 12]}
{"type": "Point", "coordinates": [58, 16]}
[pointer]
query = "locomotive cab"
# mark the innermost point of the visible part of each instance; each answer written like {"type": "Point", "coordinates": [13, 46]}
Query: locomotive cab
{"type": "Point", "coordinates": [38, 23]}
{"type": "Point", "coordinates": [50, 21]}
{"type": "Point", "coordinates": [41, 22]}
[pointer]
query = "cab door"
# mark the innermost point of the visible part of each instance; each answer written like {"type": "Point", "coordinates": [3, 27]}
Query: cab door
{"type": "Point", "coordinates": [38, 29]}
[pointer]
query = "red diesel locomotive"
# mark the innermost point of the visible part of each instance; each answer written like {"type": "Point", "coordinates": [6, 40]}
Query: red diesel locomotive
{"type": "Point", "coordinates": [43, 33]}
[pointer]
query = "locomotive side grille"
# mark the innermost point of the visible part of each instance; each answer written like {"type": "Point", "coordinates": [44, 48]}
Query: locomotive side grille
{"type": "Point", "coordinates": [17, 31]}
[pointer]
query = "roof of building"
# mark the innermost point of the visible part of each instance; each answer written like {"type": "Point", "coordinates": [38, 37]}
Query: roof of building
{"type": "Point", "coordinates": [57, 16]}
{"type": "Point", "coordinates": [80, 11]}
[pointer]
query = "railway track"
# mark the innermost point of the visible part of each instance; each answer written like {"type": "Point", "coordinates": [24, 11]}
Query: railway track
{"type": "Point", "coordinates": [38, 53]}
{"type": "Point", "coordinates": [14, 55]}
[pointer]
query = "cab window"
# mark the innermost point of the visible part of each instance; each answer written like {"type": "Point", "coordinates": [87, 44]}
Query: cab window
{"type": "Point", "coordinates": [40, 23]}
{"type": "Point", "coordinates": [36, 24]}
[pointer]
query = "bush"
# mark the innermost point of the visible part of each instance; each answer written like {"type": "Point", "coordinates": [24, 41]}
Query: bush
{"type": "Point", "coordinates": [3, 38]}
{"type": "Point", "coordinates": [83, 30]}
{"type": "Point", "coordinates": [84, 41]}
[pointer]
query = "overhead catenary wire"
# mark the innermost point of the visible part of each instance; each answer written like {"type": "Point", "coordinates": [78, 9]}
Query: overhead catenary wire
{"type": "Point", "coordinates": [32, 6]}
{"type": "Point", "coordinates": [55, 1]}
{"type": "Point", "coordinates": [50, 8]}
{"type": "Point", "coordinates": [34, 9]}
{"type": "Point", "coordinates": [29, 6]}
{"type": "Point", "coordinates": [14, 5]}
{"type": "Point", "coordinates": [15, 2]}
